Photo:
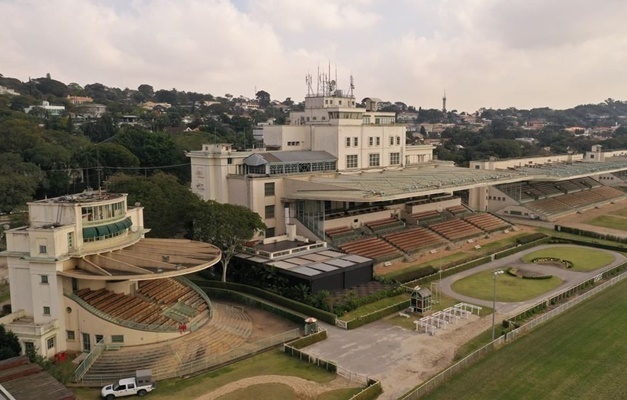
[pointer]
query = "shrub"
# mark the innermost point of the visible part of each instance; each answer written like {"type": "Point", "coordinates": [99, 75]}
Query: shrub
{"type": "Point", "coordinates": [416, 274]}
{"type": "Point", "coordinates": [373, 316]}
{"type": "Point", "coordinates": [530, 238]}
{"type": "Point", "coordinates": [308, 340]}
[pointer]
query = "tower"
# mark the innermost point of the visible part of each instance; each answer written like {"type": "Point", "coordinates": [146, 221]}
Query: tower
{"type": "Point", "coordinates": [444, 102]}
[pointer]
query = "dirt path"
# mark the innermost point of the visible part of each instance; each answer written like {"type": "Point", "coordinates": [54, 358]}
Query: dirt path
{"type": "Point", "coordinates": [304, 388]}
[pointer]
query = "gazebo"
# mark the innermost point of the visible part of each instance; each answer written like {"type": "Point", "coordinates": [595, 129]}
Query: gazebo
{"type": "Point", "coordinates": [420, 300]}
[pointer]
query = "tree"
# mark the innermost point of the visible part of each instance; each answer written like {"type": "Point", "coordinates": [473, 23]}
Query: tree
{"type": "Point", "coordinates": [18, 181]}
{"type": "Point", "coordinates": [146, 90]}
{"type": "Point", "coordinates": [9, 344]}
{"type": "Point", "coordinates": [263, 98]}
{"type": "Point", "coordinates": [226, 226]}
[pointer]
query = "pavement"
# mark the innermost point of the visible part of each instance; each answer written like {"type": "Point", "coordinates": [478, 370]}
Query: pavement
{"type": "Point", "coordinates": [402, 359]}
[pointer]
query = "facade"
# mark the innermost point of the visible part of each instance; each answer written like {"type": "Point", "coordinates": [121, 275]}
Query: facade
{"type": "Point", "coordinates": [50, 110]}
{"type": "Point", "coordinates": [80, 243]}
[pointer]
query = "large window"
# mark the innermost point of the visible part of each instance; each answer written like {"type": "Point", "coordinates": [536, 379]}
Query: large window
{"type": "Point", "coordinates": [351, 161]}
{"type": "Point", "coordinates": [395, 158]}
{"type": "Point", "coordinates": [268, 188]}
{"type": "Point", "coordinates": [98, 213]}
{"type": "Point", "coordinates": [374, 160]}
{"type": "Point", "coordinates": [270, 211]}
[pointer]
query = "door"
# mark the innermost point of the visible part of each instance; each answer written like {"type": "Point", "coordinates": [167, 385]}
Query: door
{"type": "Point", "coordinates": [74, 285]}
{"type": "Point", "coordinates": [86, 342]}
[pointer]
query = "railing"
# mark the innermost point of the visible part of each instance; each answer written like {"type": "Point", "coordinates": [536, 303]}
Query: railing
{"type": "Point", "coordinates": [198, 290]}
{"type": "Point", "coordinates": [475, 356]}
{"type": "Point", "coordinates": [118, 321]}
{"type": "Point", "coordinates": [89, 360]}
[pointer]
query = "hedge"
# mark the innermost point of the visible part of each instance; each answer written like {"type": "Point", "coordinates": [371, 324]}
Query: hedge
{"type": "Point", "coordinates": [415, 274]}
{"type": "Point", "coordinates": [272, 297]}
{"type": "Point", "coordinates": [376, 315]}
{"type": "Point", "coordinates": [308, 340]}
{"type": "Point", "coordinates": [522, 247]}
{"type": "Point", "coordinates": [451, 269]}
{"type": "Point", "coordinates": [589, 244]}
{"type": "Point", "coordinates": [596, 235]}
{"type": "Point", "coordinates": [371, 392]}
{"type": "Point", "coordinates": [530, 238]}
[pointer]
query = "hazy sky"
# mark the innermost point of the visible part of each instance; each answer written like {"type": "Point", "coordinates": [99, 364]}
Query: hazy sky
{"type": "Point", "coordinates": [484, 53]}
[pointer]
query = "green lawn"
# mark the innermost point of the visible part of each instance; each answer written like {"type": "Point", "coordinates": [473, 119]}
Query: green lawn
{"type": "Point", "coordinates": [583, 258]}
{"type": "Point", "coordinates": [580, 355]}
{"type": "Point", "coordinates": [375, 306]}
{"type": "Point", "coordinates": [267, 391]}
{"type": "Point", "coordinates": [273, 362]}
{"type": "Point", "coordinates": [508, 288]}
{"type": "Point", "coordinates": [621, 213]}
{"type": "Point", "coordinates": [608, 221]}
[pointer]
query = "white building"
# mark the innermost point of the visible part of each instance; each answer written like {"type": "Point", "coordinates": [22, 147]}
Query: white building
{"type": "Point", "coordinates": [90, 243]}
{"type": "Point", "coordinates": [50, 110]}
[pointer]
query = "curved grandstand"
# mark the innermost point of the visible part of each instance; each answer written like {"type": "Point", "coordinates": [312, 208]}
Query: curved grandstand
{"type": "Point", "coordinates": [83, 273]}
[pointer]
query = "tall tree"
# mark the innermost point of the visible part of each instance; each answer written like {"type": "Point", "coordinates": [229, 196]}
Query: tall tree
{"type": "Point", "coordinates": [9, 344]}
{"type": "Point", "coordinates": [226, 226]}
{"type": "Point", "coordinates": [18, 181]}
{"type": "Point", "coordinates": [147, 91]}
{"type": "Point", "coordinates": [263, 98]}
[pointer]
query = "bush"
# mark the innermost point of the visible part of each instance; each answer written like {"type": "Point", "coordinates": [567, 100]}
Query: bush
{"type": "Point", "coordinates": [415, 274]}
{"type": "Point", "coordinates": [530, 238]}
{"type": "Point", "coordinates": [357, 322]}
{"type": "Point", "coordinates": [596, 235]}
{"type": "Point", "coordinates": [308, 340]}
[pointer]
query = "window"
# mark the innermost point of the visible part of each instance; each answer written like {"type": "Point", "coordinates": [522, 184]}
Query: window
{"type": "Point", "coordinates": [398, 140]}
{"type": "Point", "coordinates": [268, 188]}
{"type": "Point", "coordinates": [117, 338]}
{"type": "Point", "coordinates": [378, 141]}
{"type": "Point", "coordinates": [29, 347]}
{"type": "Point", "coordinates": [270, 211]}
{"type": "Point", "coordinates": [339, 101]}
{"type": "Point", "coordinates": [42, 249]}
{"type": "Point", "coordinates": [70, 335]}
{"type": "Point", "coordinates": [391, 140]}
{"type": "Point", "coordinates": [46, 310]}
{"type": "Point", "coordinates": [270, 232]}
{"type": "Point", "coordinates": [395, 158]}
{"type": "Point", "coordinates": [50, 343]}
{"type": "Point", "coordinates": [351, 161]}
{"type": "Point", "coordinates": [370, 141]}
{"type": "Point", "coordinates": [355, 141]}
{"type": "Point", "coordinates": [229, 160]}
{"type": "Point", "coordinates": [44, 279]}
{"type": "Point", "coordinates": [348, 142]}
{"type": "Point", "coordinates": [374, 160]}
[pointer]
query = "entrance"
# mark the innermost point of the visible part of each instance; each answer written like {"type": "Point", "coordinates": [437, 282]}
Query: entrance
{"type": "Point", "coordinates": [86, 342]}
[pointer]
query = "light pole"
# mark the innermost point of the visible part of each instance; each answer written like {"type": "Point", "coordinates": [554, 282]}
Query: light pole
{"type": "Point", "coordinates": [494, 274]}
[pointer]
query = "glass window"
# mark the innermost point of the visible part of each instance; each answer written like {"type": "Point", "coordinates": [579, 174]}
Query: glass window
{"type": "Point", "coordinates": [44, 279]}
{"type": "Point", "coordinates": [50, 343]}
{"type": "Point", "coordinates": [398, 140]}
{"type": "Point", "coordinates": [42, 249]}
{"type": "Point", "coordinates": [378, 141]}
{"type": "Point", "coordinates": [391, 140]}
{"type": "Point", "coordinates": [351, 161]}
{"type": "Point", "coordinates": [70, 240]}
{"type": "Point", "coordinates": [270, 232]}
{"type": "Point", "coordinates": [268, 188]}
{"type": "Point", "coordinates": [370, 141]}
{"type": "Point", "coordinates": [70, 335]}
{"type": "Point", "coordinates": [117, 338]}
{"type": "Point", "coordinates": [395, 158]}
{"type": "Point", "coordinates": [348, 141]}
{"type": "Point", "coordinates": [270, 211]}
{"type": "Point", "coordinates": [355, 141]}
{"type": "Point", "coordinates": [374, 160]}
{"type": "Point", "coordinates": [46, 310]}
{"type": "Point", "coordinates": [29, 347]}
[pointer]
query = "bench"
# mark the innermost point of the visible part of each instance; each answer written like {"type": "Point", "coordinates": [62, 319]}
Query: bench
{"type": "Point", "coordinates": [402, 314]}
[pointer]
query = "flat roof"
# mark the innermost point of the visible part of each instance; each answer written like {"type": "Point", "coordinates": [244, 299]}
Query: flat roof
{"type": "Point", "coordinates": [313, 263]}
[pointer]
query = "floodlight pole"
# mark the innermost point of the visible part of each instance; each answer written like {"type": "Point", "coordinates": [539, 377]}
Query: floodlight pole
{"type": "Point", "coordinates": [494, 274]}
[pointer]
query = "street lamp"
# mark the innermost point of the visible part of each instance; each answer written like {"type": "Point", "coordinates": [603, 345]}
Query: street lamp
{"type": "Point", "coordinates": [494, 274]}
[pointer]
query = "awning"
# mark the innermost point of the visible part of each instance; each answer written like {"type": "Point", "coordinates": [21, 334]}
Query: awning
{"type": "Point", "coordinates": [89, 233]}
{"type": "Point", "coordinates": [106, 230]}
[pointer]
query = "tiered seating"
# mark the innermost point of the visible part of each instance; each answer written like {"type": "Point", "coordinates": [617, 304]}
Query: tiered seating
{"type": "Point", "coordinates": [458, 210]}
{"type": "Point", "coordinates": [608, 193]}
{"type": "Point", "coordinates": [589, 196]}
{"type": "Point", "coordinates": [547, 189]}
{"type": "Point", "coordinates": [530, 192]}
{"type": "Point", "coordinates": [589, 182]}
{"type": "Point", "coordinates": [373, 247]}
{"type": "Point", "coordinates": [342, 230]}
{"type": "Point", "coordinates": [414, 239]}
{"type": "Point", "coordinates": [549, 206]}
{"type": "Point", "coordinates": [384, 224]}
{"type": "Point", "coordinates": [574, 201]}
{"type": "Point", "coordinates": [571, 186]}
{"type": "Point", "coordinates": [456, 229]}
{"type": "Point", "coordinates": [229, 328]}
{"type": "Point", "coordinates": [487, 222]}
{"type": "Point", "coordinates": [426, 216]}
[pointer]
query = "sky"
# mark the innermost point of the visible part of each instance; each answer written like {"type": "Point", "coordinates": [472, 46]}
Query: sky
{"type": "Point", "coordinates": [482, 53]}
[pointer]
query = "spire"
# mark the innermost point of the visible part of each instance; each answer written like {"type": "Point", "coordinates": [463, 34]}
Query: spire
{"type": "Point", "coordinates": [444, 102]}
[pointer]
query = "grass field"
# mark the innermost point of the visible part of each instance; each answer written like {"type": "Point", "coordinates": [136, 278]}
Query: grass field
{"type": "Point", "coordinates": [621, 213]}
{"type": "Point", "coordinates": [608, 221]}
{"type": "Point", "coordinates": [273, 362]}
{"type": "Point", "coordinates": [375, 306]}
{"type": "Point", "coordinates": [584, 259]}
{"type": "Point", "coordinates": [580, 355]}
{"type": "Point", "coordinates": [508, 288]}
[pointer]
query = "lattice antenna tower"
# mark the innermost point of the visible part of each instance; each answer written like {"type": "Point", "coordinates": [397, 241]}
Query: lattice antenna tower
{"type": "Point", "coordinates": [309, 81]}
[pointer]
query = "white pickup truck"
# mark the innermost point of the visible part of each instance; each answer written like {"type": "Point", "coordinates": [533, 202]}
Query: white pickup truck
{"type": "Point", "coordinates": [140, 385]}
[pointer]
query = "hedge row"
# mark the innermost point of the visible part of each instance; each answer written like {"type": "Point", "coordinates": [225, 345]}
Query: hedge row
{"type": "Point", "coordinates": [243, 298]}
{"type": "Point", "coordinates": [371, 392]}
{"type": "Point", "coordinates": [450, 270]}
{"type": "Point", "coordinates": [596, 235]}
{"type": "Point", "coordinates": [415, 274]}
{"type": "Point", "coordinates": [530, 238]}
{"type": "Point", "coordinates": [521, 247]}
{"type": "Point", "coordinates": [272, 297]}
{"type": "Point", "coordinates": [376, 315]}
{"type": "Point", "coordinates": [619, 248]}
{"type": "Point", "coordinates": [308, 340]}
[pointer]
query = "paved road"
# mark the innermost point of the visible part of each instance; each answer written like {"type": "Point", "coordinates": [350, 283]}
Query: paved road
{"type": "Point", "coordinates": [569, 277]}
{"type": "Point", "coordinates": [402, 359]}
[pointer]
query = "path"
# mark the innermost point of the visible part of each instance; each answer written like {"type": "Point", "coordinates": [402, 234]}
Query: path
{"type": "Point", "coordinates": [305, 389]}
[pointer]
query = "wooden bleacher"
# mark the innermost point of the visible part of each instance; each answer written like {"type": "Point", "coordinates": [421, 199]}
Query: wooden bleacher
{"type": "Point", "coordinates": [487, 222]}
{"type": "Point", "coordinates": [385, 224]}
{"type": "Point", "coordinates": [414, 239]}
{"type": "Point", "coordinates": [458, 210]}
{"type": "Point", "coordinates": [426, 217]}
{"type": "Point", "coordinates": [373, 247]}
{"type": "Point", "coordinates": [456, 229]}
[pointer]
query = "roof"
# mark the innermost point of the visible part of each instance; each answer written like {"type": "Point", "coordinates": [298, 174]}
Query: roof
{"type": "Point", "coordinates": [287, 157]}
{"type": "Point", "coordinates": [27, 381]}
